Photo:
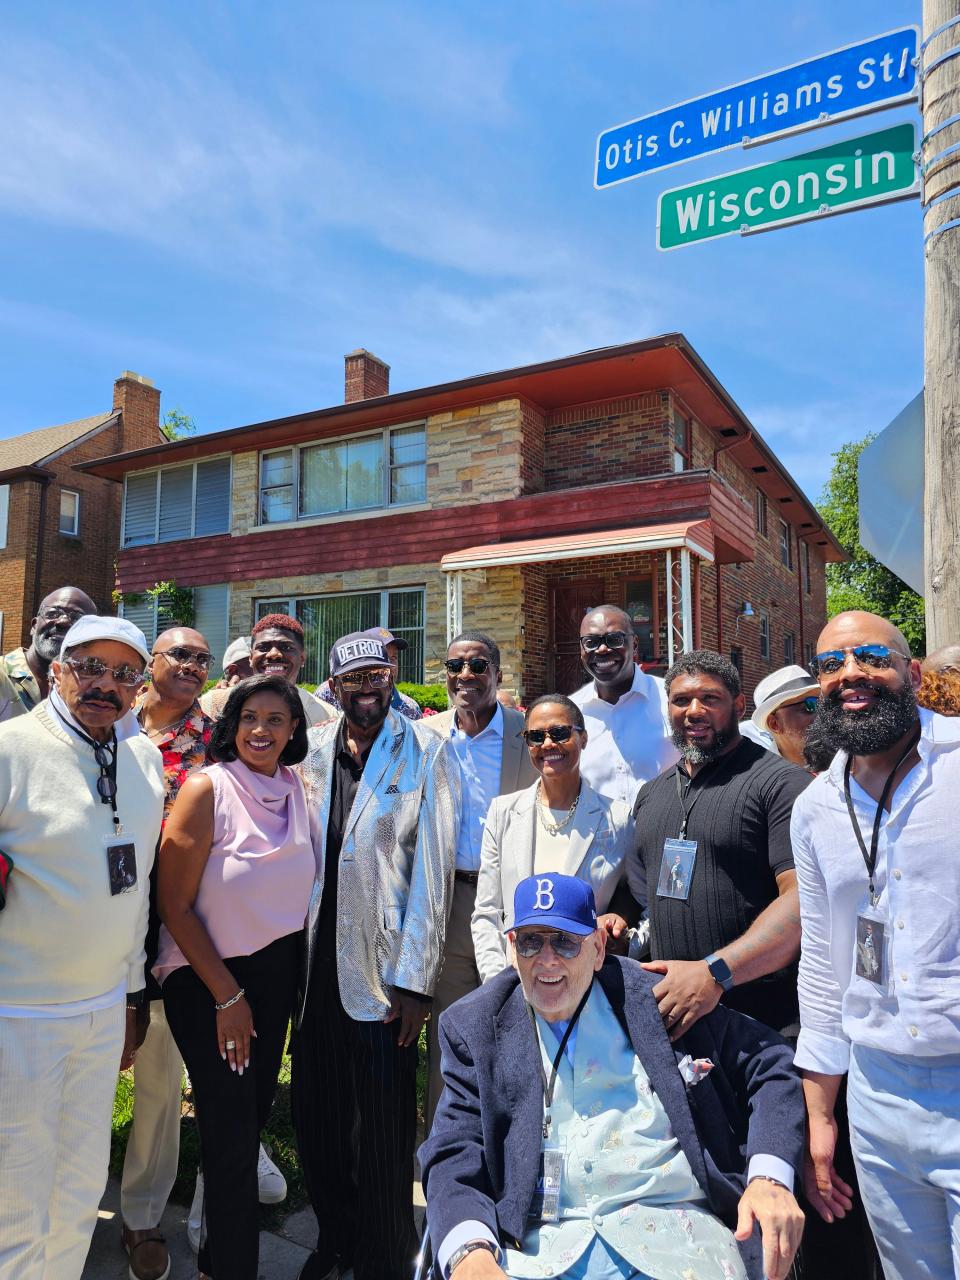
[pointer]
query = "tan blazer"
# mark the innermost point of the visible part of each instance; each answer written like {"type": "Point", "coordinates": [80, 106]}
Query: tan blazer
{"type": "Point", "coordinates": [599, 836]}
{"type": "Point", "coordinates": [516, 767]}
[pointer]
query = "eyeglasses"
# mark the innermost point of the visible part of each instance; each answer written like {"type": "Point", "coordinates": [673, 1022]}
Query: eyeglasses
{"type": "Point", "coordinates": [564, 945]}
{"type": "Point", "coordinates": [612, 639]}
{"type": "Point", "coordinates": [377, 679]}
{"type": "Point", "coordinates": [94, 669]}
{"type": "Point", "coordinates": [477, 665]}
{"type": "Point", "coordinates": [868, 657]}
{"type": "Point", "coordinates": [55, 611]}
{"type": "Point", "coordinates": [556, 733]}
{"type": "Point", "coordinates": [185, 656]}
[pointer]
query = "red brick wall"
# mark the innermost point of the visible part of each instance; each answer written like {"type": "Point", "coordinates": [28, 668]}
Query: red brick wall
{"type": "Point", "coordinates": [532, 444]}
{"type": "Point", "coordinates": [139, 404]}
{"type": "Point", "coordinates": [17, 562]}
{"type": "Point", "coordinates": [619, 440]}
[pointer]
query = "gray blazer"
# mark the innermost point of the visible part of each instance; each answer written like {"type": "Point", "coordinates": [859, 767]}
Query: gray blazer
{"type": "Point", "coordinates": [395, 876]}
{"type": "Point", "coordinates": [516, 767]}
{"type": "Point", "coordinates": [599, 836]}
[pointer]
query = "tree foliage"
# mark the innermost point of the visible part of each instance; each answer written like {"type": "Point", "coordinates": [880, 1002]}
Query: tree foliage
{"type": "Point", "coordinates": [863, 582]}
{"type": "Point", "coordinates": [177, 425]}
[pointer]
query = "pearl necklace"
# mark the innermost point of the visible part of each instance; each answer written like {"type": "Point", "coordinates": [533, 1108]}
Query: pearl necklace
{"type": "Point", "coordinates": [554, 829]}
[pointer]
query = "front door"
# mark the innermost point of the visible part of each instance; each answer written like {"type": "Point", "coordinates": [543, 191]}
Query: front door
{"type": "Point", "coordinates": [571, 600]}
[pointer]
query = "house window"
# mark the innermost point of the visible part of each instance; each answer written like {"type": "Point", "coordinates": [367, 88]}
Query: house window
{"type": "Point", "coordinates": [808, 656]}
{"type": "Point", "coordinates": [640, 606]}
{"type": "Point", "coordinates": [211, 606]}
{"type": "Point", "coordinates": [69, 512]}
{"type": "Point", "coordinates": [789, 649]}
{"type": "Point", "coordinates": [764, 619]}
{"type": "Point", "coordinates": [4, 513]}
{"type": "Point", "coordinates": [786, 551]}
{"type": "Point", "coordinates": [736, 657]}
{"type": "Point", "coordinates": [191, 501]}
{"type": "Point", "coordinates": [761, 513]}
{"type": "Point", "coordinates": [325, 618]}
{"type": "Point", "coordinates": [681, 443]}
{"type": "Point", "coordinates": [805, 565]}
{"type": "Point", "coordinates": [358, 474]}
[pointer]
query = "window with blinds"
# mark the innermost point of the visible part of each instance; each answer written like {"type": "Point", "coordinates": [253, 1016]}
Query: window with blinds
{"type": "Point", "coordinates": [190, 501]}
{"type": "Point", "coordinates": [211, 609]}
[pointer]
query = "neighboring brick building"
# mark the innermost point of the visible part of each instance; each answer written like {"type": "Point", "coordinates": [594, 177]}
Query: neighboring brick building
{"type": "Point", "coordinates": [60, 526]}
{"type": "Point", "coordinates": [508, 502]}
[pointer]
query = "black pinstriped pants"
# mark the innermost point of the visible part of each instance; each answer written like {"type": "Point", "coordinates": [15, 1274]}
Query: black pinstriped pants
{"type": "Point", "coordinates": [353, 1093]}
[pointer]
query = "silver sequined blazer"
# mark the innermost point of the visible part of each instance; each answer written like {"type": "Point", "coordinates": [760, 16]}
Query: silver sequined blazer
{"type": "Point", "coordinates": [395, 879]}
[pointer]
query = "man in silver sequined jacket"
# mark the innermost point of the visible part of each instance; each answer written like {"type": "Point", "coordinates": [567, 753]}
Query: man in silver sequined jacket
{"type": "Point", "coordinates": [384, 800]}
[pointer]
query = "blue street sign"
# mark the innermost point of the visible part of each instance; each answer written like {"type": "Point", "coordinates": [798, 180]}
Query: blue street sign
{"type": "Point", "coordinates": [863, 77]}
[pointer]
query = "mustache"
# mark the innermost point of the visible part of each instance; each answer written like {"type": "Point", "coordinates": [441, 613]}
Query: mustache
{"type": "Point", "coordinates": [95, 695]}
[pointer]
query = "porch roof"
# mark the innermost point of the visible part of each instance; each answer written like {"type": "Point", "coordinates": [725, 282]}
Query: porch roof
{"type": "Point", "coordinates": [695, 535]}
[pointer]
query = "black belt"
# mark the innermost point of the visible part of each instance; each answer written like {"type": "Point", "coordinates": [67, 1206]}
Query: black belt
{"type": "Point", "coordinates": [468, 877]}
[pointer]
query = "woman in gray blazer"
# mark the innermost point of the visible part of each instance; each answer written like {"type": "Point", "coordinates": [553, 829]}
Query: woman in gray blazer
{"type": "Point", "coordinates": [559, 824]}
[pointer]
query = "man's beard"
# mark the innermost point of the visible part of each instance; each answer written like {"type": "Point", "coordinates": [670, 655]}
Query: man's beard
{"type": "Point", "coordinates": [48, 646]}
{"type": "Point", "coordinates": [865, 733]}
{"type": "Point", "coordinates": [698, 753]}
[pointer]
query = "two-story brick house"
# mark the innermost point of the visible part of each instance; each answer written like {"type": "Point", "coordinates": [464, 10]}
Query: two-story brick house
{"type": "Point", "coordinates": [508, 502]}
{"type": "Point", "coordinates": [59, 525]}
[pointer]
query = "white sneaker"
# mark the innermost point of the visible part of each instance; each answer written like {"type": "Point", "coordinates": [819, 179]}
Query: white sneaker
{"type": "Point", "coordinates": [273, 1185]}
{"type": "Point", "coordinates": [195, 1216]}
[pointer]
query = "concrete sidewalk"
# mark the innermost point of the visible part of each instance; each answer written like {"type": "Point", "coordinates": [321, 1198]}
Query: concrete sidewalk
{"type": "Point", "coordinates": [282, 1253]}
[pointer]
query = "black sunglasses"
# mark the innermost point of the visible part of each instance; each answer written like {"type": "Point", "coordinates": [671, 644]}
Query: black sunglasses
{"type": "Point", "coordinates": [612, 639]}
{"type": "Point", "coordinates": [477, 665]}
{"type": "Point", "coordinates": [183, 656]}
{"type": "Point", "coordinates": [556, 733]}
{"type": "Point", "coordinates": [564, 945]}
{"type": "Point", "coordinates": [868, 657]}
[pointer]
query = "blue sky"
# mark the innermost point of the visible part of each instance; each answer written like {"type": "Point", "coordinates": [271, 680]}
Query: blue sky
{"type": "Point", "coordinates": [227, 197]}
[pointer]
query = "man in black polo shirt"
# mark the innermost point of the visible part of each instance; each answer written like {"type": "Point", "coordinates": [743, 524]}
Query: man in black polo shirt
{"type": "Point", "coordinates": [713, 864]}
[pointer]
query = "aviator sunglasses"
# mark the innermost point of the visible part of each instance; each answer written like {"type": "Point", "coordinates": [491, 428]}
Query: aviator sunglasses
{"type": "Point", "coordinates": [379, 678]}
{"type": "Point", "coordinates": [868, 657]}
{"type": "Point", "coordinates": [564, 945]}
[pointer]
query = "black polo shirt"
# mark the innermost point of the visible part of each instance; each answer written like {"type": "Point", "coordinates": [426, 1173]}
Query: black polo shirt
{"type": "Point", "coordinates": [347, 772]}
{"type": "Point", "coordinates": [739, 814]}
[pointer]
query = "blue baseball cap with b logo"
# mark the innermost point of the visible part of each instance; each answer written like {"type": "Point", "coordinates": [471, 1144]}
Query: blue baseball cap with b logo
{"type": "Point", "coordinates": [557, 902]}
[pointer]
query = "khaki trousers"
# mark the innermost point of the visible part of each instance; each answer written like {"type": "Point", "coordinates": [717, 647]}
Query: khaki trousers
{"type": "Point", "coordinates": [458, 977]}
{"type": "Point", "coordinates": [153, 1147]}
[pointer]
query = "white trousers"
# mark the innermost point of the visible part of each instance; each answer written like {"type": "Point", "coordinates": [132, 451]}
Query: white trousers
{"type": "Point", "coordinates": [153, 1147]}
{"type": "Point", "coordinates": [57, 1081]}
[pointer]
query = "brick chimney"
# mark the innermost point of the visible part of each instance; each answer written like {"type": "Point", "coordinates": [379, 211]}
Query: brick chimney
{"type": "Point", "coordinates": [139, 403]}
{"type": "Point", "coordinates": [365, 376]}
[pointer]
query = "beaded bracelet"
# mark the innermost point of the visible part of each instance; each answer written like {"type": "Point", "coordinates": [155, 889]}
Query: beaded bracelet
{"type": "Point", "coordinates": [233, 1000]}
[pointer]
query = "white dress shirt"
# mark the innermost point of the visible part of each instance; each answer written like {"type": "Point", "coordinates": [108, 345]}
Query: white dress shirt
{"type": "Point", "coordinates": [917, 1014]}
{"type": "Point", "coordinates": [480, 759]}
{"type": "Point", "coordinates": [628, 741]}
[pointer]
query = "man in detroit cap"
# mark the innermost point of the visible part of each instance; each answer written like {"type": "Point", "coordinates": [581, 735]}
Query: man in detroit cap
{"type": "Point", "coordinates": [393, 646]}
{"type": "Point", "coordinates": [81, 801]}
{"type": "Point", "coordinates": [569, 1055]}
{"type": "Point", "coordinates": [384, 800]}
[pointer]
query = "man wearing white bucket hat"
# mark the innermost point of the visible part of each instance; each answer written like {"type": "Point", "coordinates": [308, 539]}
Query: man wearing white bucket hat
{"type": "Point", "coordinates": [81, 801]}
{"type": "Point", "coordinates": [786, 702]}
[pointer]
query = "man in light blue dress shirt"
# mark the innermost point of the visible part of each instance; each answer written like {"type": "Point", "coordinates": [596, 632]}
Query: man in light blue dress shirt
{"type": "Point", "coordinates": [493, 761]}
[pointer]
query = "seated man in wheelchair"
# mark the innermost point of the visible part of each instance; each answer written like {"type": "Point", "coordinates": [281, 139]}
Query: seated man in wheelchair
{"type": "Point", "coordinates": [573, 1139]}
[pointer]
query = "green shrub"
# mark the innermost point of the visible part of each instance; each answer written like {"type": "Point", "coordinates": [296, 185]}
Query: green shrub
{"type": "Point", "coordinates": [427, 695]}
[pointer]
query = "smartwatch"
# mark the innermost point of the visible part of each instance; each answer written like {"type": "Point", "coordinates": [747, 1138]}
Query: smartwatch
{"type": "Point", "coordinates": [719, 971]}
{"type": "Point", "coordinates": [458, 1255]}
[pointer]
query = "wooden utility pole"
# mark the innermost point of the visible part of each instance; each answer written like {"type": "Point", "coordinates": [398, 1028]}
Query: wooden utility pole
{"type": "Point", "coordinates": [940, 101]}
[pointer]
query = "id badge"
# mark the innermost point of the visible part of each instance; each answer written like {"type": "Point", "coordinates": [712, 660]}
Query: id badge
{"type": "Point", "coordinates": [676, 869]}
{"type": "Point", "coordinates": [871, 957]}
{"type": "Point", "coordinates": [121, 864]}
{"type": "Point", "coordinates": [545, 1206]}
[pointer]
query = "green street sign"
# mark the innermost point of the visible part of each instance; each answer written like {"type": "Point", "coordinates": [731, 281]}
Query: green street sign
{"type": "Point", "coordinates": [872, 169]}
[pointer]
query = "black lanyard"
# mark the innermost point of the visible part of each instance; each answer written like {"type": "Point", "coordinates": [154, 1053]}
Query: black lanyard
{"type": "Point", "coordinates": [870, 859]}
{"type": "Point", "coordinates": [685, 791]}
{"type": "Point", "coordinates": [551, 1084]}
{"type": "Point", "coordinates": [105, 754]}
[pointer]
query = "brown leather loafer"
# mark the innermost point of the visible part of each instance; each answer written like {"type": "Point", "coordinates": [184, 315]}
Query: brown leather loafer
{"type": "Point", "coordinates": [148, 1254]}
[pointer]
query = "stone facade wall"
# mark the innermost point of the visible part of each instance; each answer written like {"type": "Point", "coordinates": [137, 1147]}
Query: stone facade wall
{"type": "Point", "coordinates": [245, 496]}
{"type": "Point", "coordinates": [474, 454]}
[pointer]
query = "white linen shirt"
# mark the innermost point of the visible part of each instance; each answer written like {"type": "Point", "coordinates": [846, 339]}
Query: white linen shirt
{"type": "Point", "coordinates": [480, 759]}
{"type": "Point", "coordinates": [628, 741]}
{"type": "Point", "coordinates": [918, 880]}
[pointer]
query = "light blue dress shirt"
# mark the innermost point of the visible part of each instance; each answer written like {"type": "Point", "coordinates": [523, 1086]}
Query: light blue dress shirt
{"type": "Point", "coordinates": [480, 760]}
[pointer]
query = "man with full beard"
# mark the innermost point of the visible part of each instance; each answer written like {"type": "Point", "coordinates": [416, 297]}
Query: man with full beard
{"type": "Point", "coordinates": [25, 673]}
{"type": "Point", "coordinates": [725, 809]}
{"type": "Point", "coordinates": [876, 846]}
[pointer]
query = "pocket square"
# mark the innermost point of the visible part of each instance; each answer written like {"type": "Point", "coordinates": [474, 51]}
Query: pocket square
{"type": "Point", "coordinates": [694, 1070]}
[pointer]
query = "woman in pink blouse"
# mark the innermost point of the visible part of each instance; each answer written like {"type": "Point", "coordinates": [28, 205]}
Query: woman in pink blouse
{"type": "Point", "coordinates": [236, 871]}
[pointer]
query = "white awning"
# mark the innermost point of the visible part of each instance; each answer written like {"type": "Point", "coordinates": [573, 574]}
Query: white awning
{"type": "Point", "coordinates": [695, 536]}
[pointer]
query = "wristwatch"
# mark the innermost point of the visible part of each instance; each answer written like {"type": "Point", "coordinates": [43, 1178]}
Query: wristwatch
{"type": "Point", "coordinates": [458, 1255]}
{"type": "Point", "coordinates": [719, 970]}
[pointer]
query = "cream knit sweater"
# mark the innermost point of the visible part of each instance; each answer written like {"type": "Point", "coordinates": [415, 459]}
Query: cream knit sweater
{"type": "Point", "coordinates": [62, 936]}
